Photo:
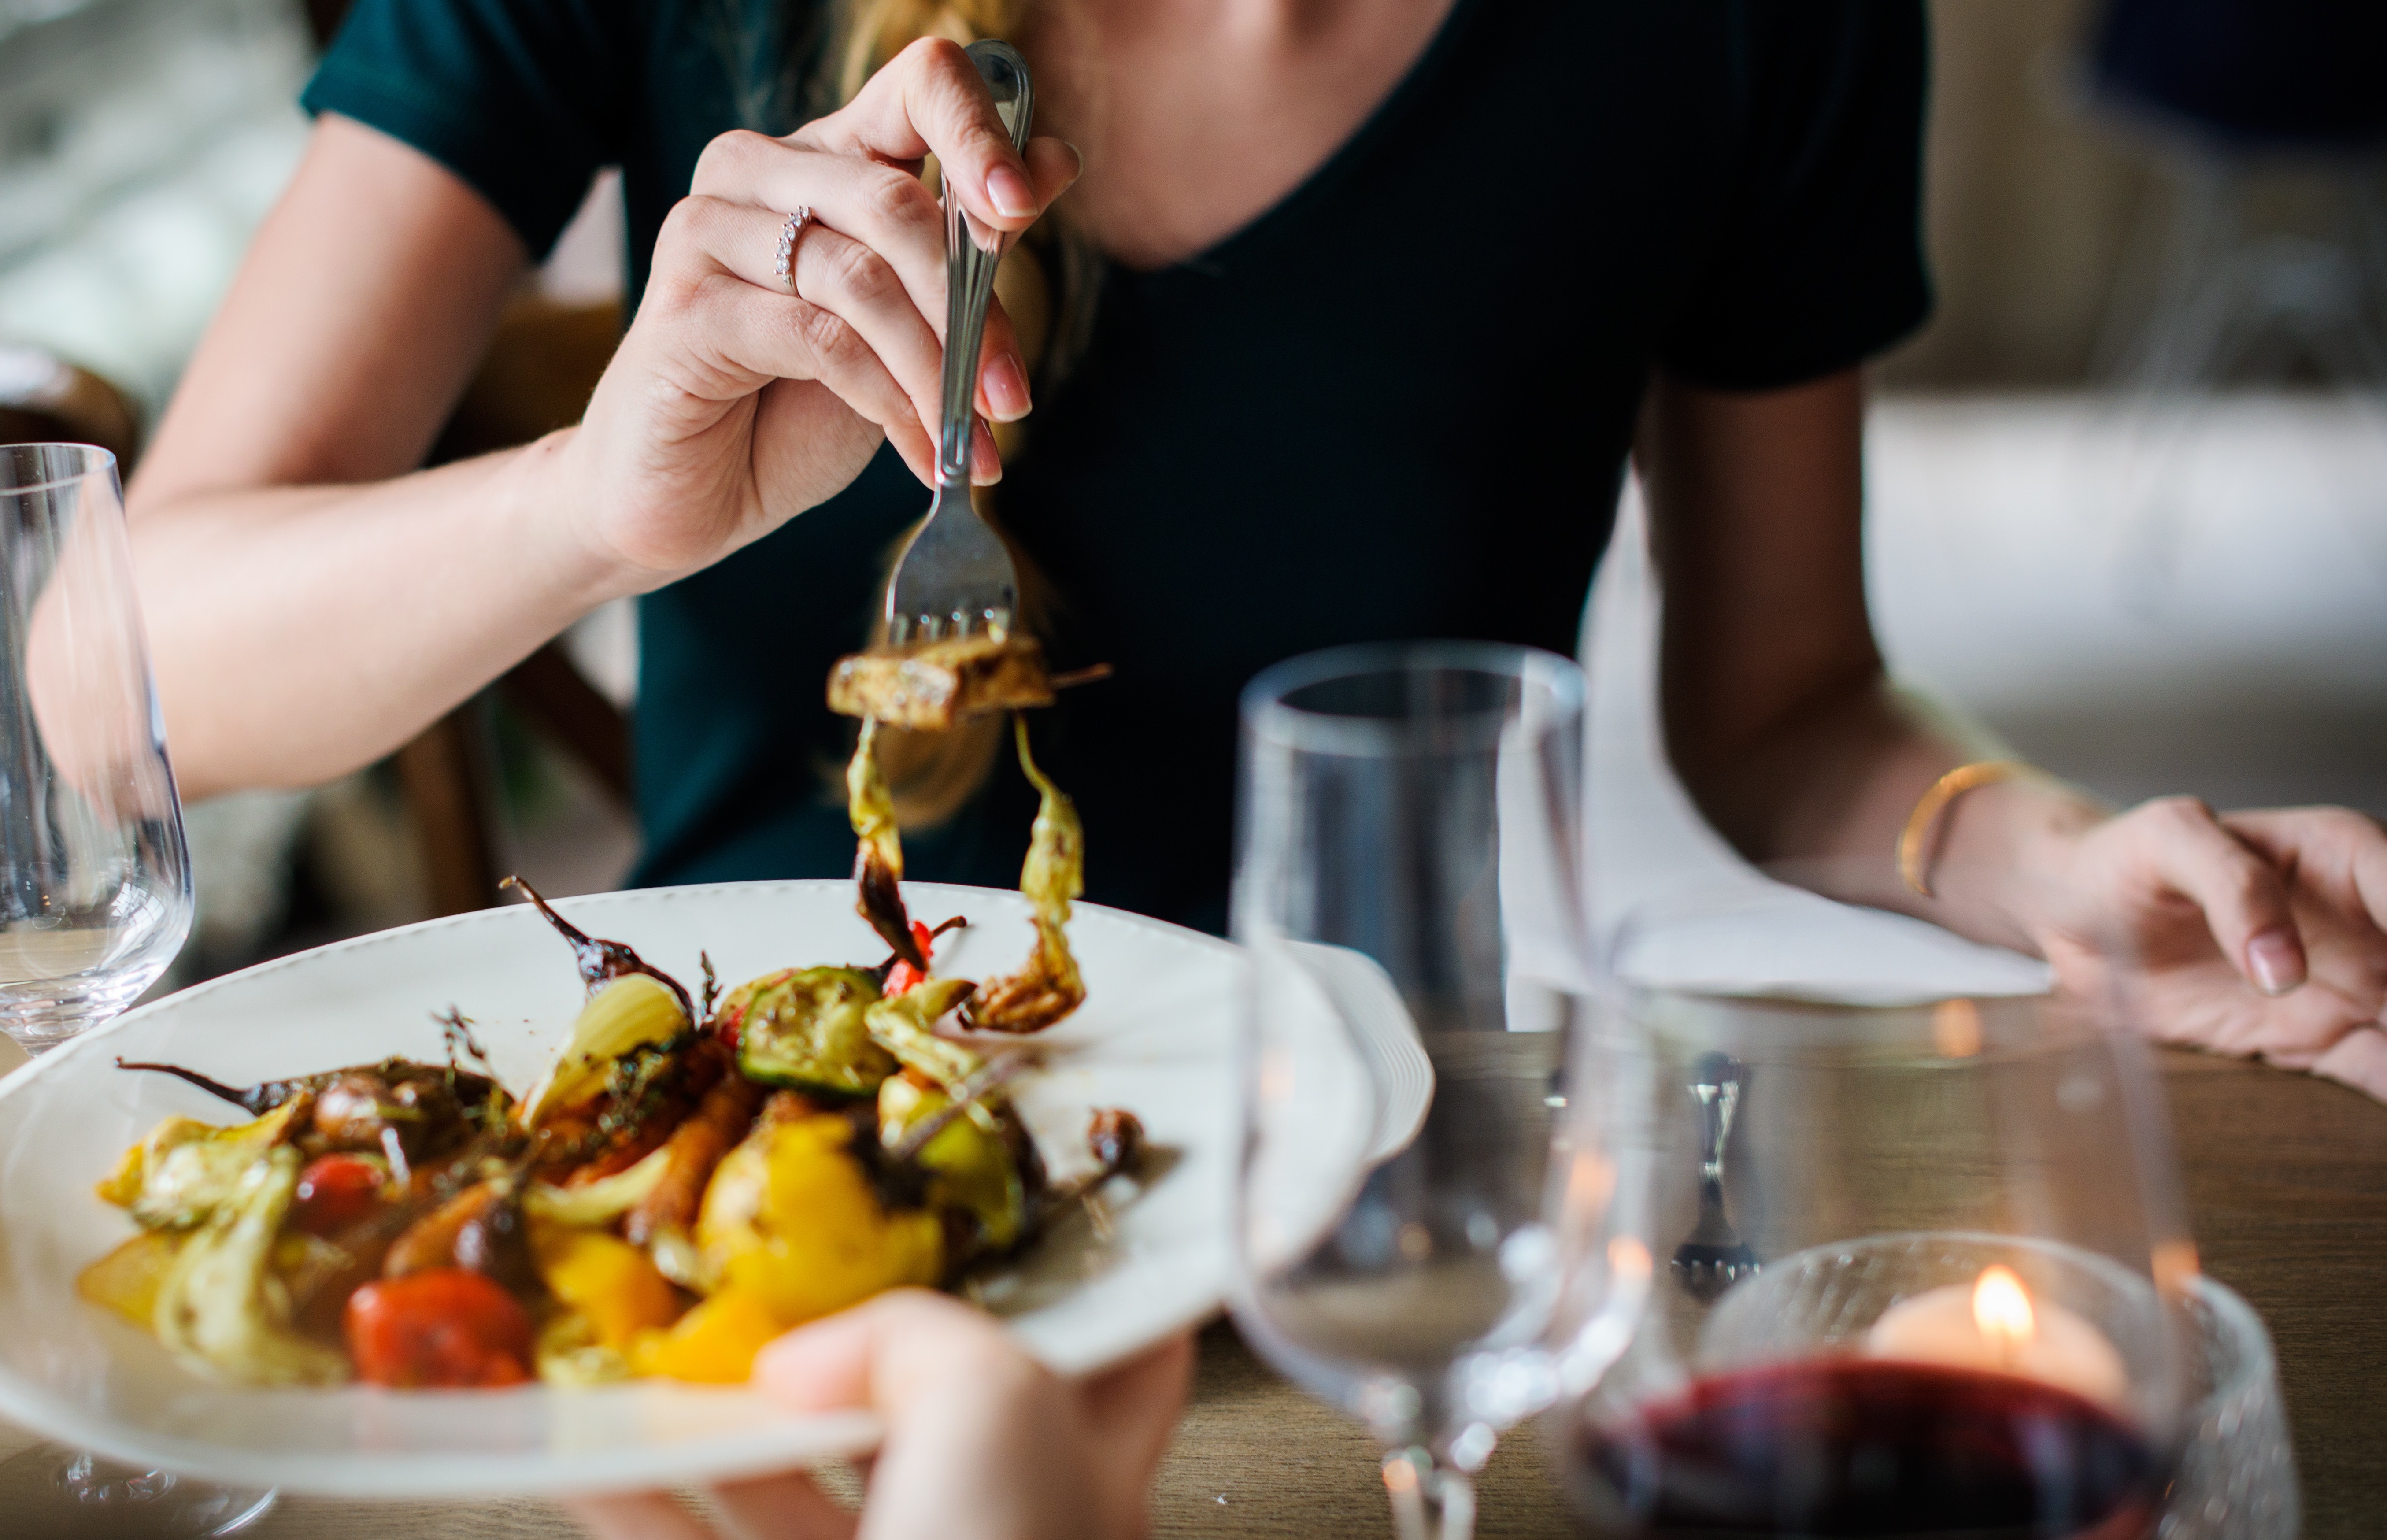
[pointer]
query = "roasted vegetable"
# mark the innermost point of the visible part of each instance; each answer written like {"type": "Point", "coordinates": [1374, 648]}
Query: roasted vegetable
{"type": "Point", "coordinates": [929, 688]}
{"type": "Point", "coordinates": [632, 1012]}
{"type": "Point", "coordinates": [218, 1305]}
{"type": "Point", "coordinates": [690, 1156]}
{"type": "Point", "coordinates": [1116, 1137]}
{"type": "Point", "coordinates": [430, 1242]}
{"type": "Point", "coordinates": [305, 1266]}
{"type": "Point", "coordinates": [496, 1240]}
{"type": "Point", "coordinates": [602, 962]}
{"type": "Point", "coordinates": [902, 1026]}
{"type": "Point", "coordinates": [796, 1219]}
{"type": "Point", "coordinates": [606, 1281]}
{"type": "Point", "coordinates": [397, 1109]}
{"type": "Point", "coordinates": [601, 1202]}
{"type": "Point", "coordinates": [878, 851]}
{"type": "Point", "coordinates": [901, 975]}
{"type": "Point", "coordinates": [337, 1190]}
{"type": "Point", "coordinates": [714, 1344]}
{"type": "Point", "coordinates": [127, 1280]}
{"type": "Point", "coordinates": [422, 1108]}
{"type": "Point", "coordinates": [804, 1029]}
{"type": "Point", "coordinates": [1049, 987]}
{"type": "Point", "coordinates": [262, 1097]}
{"type": "Point", "coordinates": [450, 1328]}
{"type": "Point", "coordinates": [968, 1168]}
{"type": "Point", "coordinates": [566, 1352]}
{"type": "Point", "coordinates": [648, 1094]}
{"type": "Point", "coordinates": [185, 1168]}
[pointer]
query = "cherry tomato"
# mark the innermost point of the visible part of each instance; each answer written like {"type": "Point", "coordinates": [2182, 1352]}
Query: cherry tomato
{"type": "Point", "coordinates": [334, 1191]}
{"type": "Point", "coordinates": [903, 976]}
{"type": "Point", "coordinates": [446, 1327]}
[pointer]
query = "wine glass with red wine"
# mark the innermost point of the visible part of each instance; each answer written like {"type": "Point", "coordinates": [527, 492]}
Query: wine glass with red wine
{"type": "Point", "coordinates": [1959, 1302]}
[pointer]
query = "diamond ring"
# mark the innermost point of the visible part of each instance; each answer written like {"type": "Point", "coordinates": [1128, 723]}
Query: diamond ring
{"type": "Point", "coordinates": [788, 234]}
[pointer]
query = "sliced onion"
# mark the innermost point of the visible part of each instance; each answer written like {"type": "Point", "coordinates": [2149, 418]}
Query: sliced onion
{"type": "Point", "coordinates": [599, 1202]}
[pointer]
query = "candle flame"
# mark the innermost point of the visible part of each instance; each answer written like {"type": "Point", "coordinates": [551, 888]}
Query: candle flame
{"type": "Point", "coordinates": [2002, 1308]}
{"type": "Point", "coordinates": [1956, 1028]}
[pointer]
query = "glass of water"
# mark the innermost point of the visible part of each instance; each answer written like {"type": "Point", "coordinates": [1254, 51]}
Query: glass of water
{"type": "Point", "coordinates": [1408, 885]}
{"type": "Point", "coordinates": [95, 878]}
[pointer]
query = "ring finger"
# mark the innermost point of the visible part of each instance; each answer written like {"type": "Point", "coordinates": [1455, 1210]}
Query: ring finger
{"type": "Point", "coordinates": [888, 211]}
{"type": "Point", "coordinates": [846, 278]}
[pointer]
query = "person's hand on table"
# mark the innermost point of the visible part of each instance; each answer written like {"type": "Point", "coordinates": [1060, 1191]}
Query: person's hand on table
{"type": "Point", "coordinates": [2261, 934]}
{"type": "Point", "coordinates": [982, 1443]}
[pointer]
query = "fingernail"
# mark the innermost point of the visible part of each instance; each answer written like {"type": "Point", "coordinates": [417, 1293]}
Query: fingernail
{"type": "Point", "coordinates": [986, 461]}
{"type": "Point", "coordinates": [2276, 961]}
{"type": "Point", "coordinates": [1010, 193]}
{"type": "Point", "coordinates": [1006, 387]}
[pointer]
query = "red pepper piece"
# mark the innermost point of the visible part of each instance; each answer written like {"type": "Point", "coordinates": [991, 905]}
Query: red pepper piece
{"type": "Point", "coordinates": [442, 1329]}
{"type": "Point", "coordinates": [903, 976]}
{"type": "Point", "coordinates": [334, 1191]}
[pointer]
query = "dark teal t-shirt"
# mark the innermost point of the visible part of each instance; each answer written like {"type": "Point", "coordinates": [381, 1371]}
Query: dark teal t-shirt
{"type": "Point", "coordinates": [1395, 404]}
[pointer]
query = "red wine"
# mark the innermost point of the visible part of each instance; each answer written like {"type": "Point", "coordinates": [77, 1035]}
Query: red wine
{"type": "Point", "coordinates": [1855, 1446]}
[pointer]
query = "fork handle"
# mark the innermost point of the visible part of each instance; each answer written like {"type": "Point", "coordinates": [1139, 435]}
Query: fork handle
{"type": "Point", "coordinates": [969, 268]}
{"type": "Point", "coordinates": [1715, 1085]}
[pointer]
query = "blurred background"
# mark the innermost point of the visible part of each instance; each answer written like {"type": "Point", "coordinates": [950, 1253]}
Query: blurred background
{"type": "Point", "coordinates": [2128, 490]}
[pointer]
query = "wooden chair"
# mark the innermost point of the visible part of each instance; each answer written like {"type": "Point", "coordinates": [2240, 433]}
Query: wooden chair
{"type": "Point", "coordinates": [46, 399]}
{"type": "Point", "coordinates": [540, 368]}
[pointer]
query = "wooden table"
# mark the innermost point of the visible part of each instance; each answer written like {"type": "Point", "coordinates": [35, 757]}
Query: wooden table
{"type": "Point", "coordinates": [2286, 1182]}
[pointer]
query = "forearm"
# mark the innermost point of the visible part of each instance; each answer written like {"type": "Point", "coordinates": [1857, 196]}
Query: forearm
{"type": "Point", "coordinates": [1826, 797]}
{"type": "Point", "coordinates": [300, 632]}
{"type": "Point", "coordinates": [1779, 717]}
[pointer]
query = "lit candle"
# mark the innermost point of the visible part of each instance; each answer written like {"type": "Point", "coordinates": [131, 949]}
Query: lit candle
{"type": "Point", "coordinates": [1993, 1325]}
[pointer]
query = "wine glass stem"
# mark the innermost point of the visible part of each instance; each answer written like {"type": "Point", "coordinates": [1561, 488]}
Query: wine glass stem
{"type": "Point", "coordinates": [1431, 1501]}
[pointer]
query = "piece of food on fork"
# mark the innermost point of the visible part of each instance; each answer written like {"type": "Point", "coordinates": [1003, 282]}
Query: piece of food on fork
{"type": "Point", "coordinates": [929, 688]}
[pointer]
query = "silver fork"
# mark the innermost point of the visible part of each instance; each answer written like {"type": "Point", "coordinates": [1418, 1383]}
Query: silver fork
{"type": "Point", "coordinates": [954, 577]}
{"type": "Point", "coordinates": [1713, 1257]}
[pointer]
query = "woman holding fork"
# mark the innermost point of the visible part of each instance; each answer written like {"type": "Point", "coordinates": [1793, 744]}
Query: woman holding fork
{"type": "Point", "coordinates": [1344, 330]}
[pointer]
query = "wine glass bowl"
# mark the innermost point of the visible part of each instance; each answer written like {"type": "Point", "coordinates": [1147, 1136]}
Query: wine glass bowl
{"type": "Point", "coordinates": [95, 876]}
{"type": "Point", "coordinates": [1964, 1313]}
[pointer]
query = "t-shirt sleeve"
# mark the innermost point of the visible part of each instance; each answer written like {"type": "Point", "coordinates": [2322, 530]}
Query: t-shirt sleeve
{"type": "Point", "coordinates": [1817, 261]}
{"type": "Point", "coordinates": [521, 98]}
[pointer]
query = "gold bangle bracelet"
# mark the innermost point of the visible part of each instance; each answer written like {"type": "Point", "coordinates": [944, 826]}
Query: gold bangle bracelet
{"type": "Point", "coordinates": [1913, 869]}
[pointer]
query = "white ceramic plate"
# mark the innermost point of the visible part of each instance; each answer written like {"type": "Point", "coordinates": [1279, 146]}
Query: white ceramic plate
{"type": "Point", "coordinates": [1156, 1036]}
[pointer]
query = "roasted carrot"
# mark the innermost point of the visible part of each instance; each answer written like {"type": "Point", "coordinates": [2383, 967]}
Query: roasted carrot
{"type": "Point", "coordinates": [695, 1148]}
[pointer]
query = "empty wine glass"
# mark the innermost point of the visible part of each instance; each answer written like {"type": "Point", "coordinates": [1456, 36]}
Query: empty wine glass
{"type": "Point", "coordinates": [95, 877]}
{"type": "Point", "coordinates": [1408, 885]}
{"type": "Point", "coordinates": [1963, 1264]}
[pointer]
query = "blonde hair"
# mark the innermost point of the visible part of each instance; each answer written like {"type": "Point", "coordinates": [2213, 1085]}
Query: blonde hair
{"type": "Point", "coordinates": [869, 32]}
{"type": "Point", "coordinates": [1046, 285]}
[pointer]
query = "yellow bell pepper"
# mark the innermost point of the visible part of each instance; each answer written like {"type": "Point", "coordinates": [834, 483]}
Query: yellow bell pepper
{"type": "Point", "coordinates": [606, 1279]}
{"type": "Point", "coordinates": [126, 1280]}
{"type": "Point", "coordinates": [791, 1219]}
{"type": "Point", "coordinates": [714, 1344]}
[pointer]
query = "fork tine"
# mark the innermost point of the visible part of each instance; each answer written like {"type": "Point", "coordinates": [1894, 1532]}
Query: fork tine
{"type": "Point", "coordinates": [955, 578]}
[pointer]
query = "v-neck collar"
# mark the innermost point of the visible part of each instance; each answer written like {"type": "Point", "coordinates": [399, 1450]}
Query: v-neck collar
{"type": "Point", "coordinates": [1387, 115]}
